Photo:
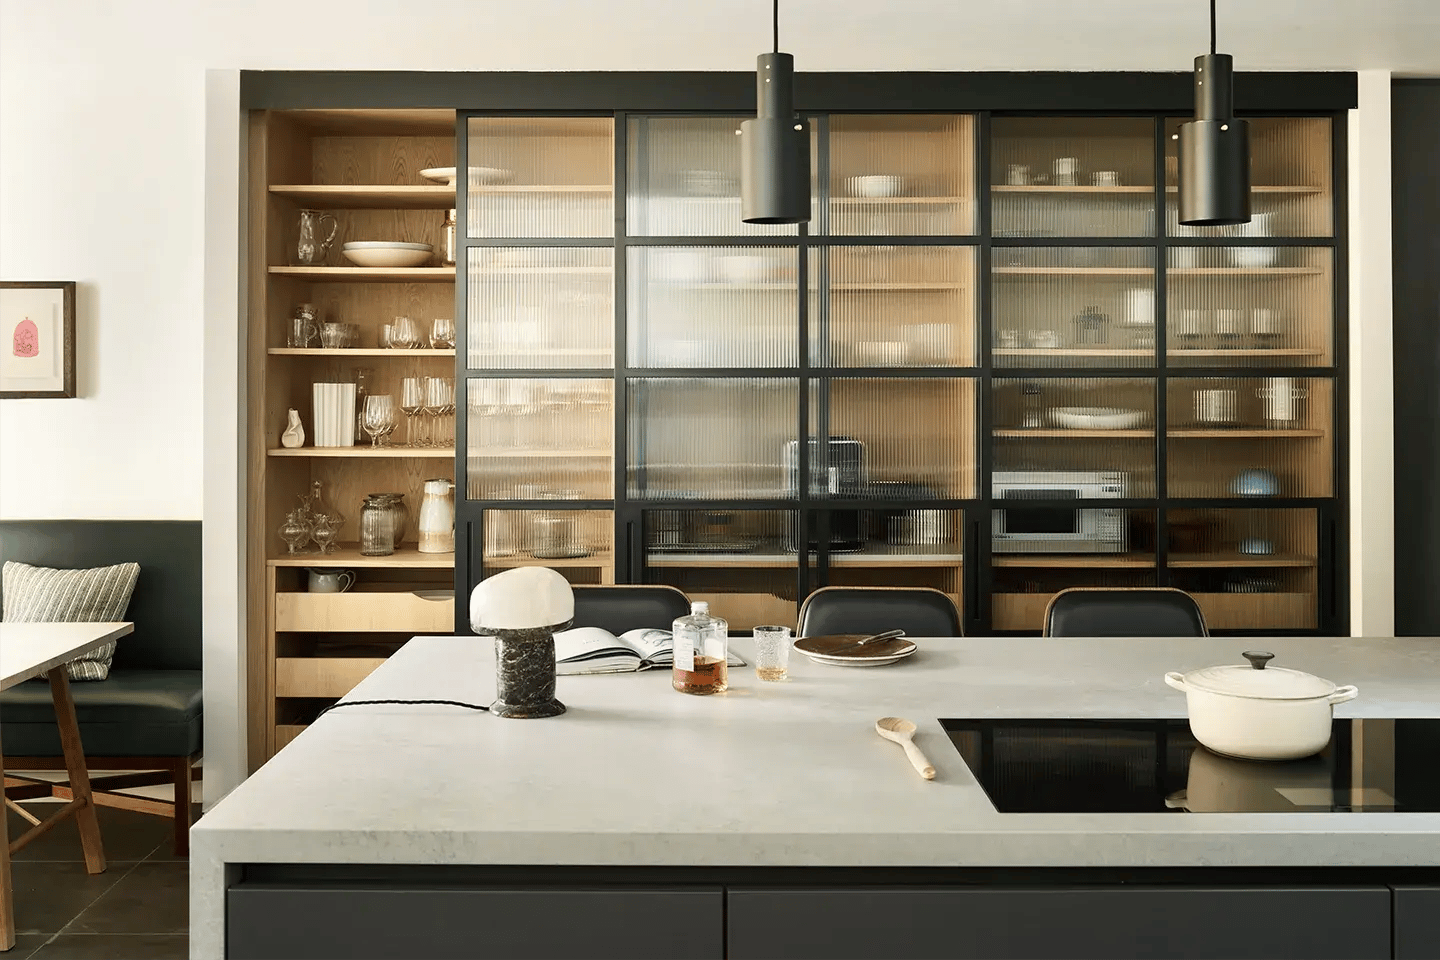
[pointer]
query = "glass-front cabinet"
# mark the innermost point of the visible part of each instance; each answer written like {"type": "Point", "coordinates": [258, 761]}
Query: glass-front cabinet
{"type": "Point", "coordinates": [992, 363]}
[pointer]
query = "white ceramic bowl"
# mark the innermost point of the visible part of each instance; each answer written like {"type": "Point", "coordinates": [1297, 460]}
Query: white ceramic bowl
{"type": "Point", "coordinates": [389, 255]}
{"type": "Point", "coordinates": [445, 175]}
{"type": "Point", "coordinates": [484, 176]}
{"type": "Point", "coordinates": [876, 185]}
{"type": "Point", "coordinates": [384, 245]}
{"type": "Point", "coordinates": [1254, 258]}
{"type": "Point", "coordinates": [1097, 418]}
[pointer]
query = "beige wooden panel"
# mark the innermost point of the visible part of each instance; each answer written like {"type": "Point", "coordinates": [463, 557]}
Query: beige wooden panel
{"type": "Point", "coordinates": [1257, 611]}
{"type": "Point", "coordinates": [1019, 611]}
{"type": "Point", "coordinates": [285, 732]}
{"type": "Point", "coordinates": [379, 160]}
{"type": "Point", "coordinates": [319, 677]}
{"type": "Point", "coordinates": [745, 611]}
{"type": "Point", "coordinates": [361, 612]}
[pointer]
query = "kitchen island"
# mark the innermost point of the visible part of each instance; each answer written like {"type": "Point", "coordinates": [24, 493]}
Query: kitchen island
{"type": "Point", "coordinates": [773, 821]}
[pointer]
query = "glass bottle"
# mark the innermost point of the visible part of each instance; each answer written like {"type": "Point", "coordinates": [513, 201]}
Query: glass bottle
{"type": "Point", "coordinates": [362, 390]}
{"type": "Point", "coordinates": [377, 527]}
{"type": "Point", "coordinates": [702, 646]}
{"type": "Point", "coordinates": [447, 256]}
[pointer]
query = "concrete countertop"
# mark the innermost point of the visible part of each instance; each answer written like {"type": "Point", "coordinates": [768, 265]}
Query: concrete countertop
{"type": "Point", "coordinates": [771, 773]}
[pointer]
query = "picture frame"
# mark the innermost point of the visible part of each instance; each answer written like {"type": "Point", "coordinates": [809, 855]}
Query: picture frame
{"type": "Point", "coordinates": [37, 339]}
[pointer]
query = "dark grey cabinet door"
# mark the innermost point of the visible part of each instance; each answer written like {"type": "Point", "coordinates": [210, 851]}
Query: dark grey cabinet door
{"type": "Point", "coordinates": [1080, 923]}
{"type": "Point", "coordinates": [379, 922]}
{"type": "Point", "coordinates": [1417, 923]}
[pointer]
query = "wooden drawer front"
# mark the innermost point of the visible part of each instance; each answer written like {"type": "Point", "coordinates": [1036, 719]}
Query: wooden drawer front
{"type": "Point", "coordinates": [1257, 611]}
{"type": "Point", "coordinates": [320, 676]}
{"type": "Point", "coordinates": [331, 612]}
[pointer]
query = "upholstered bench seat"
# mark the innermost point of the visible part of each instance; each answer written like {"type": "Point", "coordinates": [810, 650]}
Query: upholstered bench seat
{"type": "Point", "coordinates": [134, 713]}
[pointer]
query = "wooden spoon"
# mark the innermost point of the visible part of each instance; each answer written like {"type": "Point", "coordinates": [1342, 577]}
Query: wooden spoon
{"type": "Point", "coordinates": [903, 732]}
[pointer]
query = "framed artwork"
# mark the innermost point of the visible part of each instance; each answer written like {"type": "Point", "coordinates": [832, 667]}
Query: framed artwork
{"type": "Point", "coordinates": [37, 339]}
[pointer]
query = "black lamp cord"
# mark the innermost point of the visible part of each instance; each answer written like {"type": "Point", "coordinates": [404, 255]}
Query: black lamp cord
{"type": "Point", "coordinates": [1212, 26]}
{"type": "Point", "coordinates": [775, 22]}
{"type": "Point", "coordinates": [360, 703]}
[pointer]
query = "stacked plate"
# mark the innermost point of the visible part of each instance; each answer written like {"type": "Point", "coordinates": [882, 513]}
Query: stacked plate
{"type": "Point", "coordinates": [844, 650]}
{"type": "Point", "coordinates": [387, 253]}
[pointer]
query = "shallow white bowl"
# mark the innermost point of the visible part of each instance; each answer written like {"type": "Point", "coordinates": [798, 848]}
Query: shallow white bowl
{"type": "Point", "coordinates": [877, 185]}
{"type": "Point", "coordinates": [1097, 418]}
{"type": "Point", "coordinates": [387, 257]}
{"type": "Point", "coordinates": [1254, 257]}
{"type": "Point", "coordinates": [384, 245]}
{"type": "Point", "coordinates": [445, 175]}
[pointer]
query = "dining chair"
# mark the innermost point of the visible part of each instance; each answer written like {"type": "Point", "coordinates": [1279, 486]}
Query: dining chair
{"type": "Point", "coordinates": [1124, 612]}
{"type": "Point", "coordinates": [919, 611]}
{"type": "Point", "coordinates": [621, 607]}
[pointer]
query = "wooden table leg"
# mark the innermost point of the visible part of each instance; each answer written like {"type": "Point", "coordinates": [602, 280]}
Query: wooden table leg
{"type": "Point", "coordinates": [75, 767]}
{"type": "Point", "coordinates": [7, 889]}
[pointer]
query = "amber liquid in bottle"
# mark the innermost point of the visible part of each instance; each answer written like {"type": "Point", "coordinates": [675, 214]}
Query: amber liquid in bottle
{"type": "Point", "coordinates": [709, 676]}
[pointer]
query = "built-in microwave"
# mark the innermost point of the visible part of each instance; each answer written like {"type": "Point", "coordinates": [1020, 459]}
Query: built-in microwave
{"type": "Point", "coordinates": [1051, 527]}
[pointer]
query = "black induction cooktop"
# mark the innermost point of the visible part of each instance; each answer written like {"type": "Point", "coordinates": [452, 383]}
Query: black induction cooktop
{"type": "Point", "coordinates": [1156, 766]}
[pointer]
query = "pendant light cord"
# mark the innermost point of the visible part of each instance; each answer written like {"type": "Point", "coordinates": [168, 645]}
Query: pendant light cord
{"type": "Point", "coordinates": [1212, 26]}
{"type": "Point", "coordinates": [775, 21]}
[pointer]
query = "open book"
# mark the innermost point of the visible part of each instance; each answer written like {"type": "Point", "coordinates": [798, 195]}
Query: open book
{"type": "Point", "coordinates": [597, 650]}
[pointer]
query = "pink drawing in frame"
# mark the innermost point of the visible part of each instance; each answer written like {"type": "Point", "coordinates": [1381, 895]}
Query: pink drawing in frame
{"type": "Point", "coordinates": [27, 339]}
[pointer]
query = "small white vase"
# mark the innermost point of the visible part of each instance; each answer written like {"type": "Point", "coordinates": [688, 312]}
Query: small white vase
{"type": "Point", "coordinates": [294, 435]}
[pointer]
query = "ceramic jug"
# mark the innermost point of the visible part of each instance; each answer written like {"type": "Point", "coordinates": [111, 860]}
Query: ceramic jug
{"type": "Point", "coordinates": [437, 517]}
{"type": "Point", "coordinates": [330, 579]}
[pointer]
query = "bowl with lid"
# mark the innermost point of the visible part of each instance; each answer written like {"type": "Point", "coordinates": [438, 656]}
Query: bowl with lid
{"type": "Point", "coordinates": [1255, 712]}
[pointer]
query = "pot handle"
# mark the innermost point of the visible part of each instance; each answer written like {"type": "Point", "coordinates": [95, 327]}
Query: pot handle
{"type": "Point", "coordinates": [1341, 694]}
{"type": "Point", "coordinates": [1176, 680]}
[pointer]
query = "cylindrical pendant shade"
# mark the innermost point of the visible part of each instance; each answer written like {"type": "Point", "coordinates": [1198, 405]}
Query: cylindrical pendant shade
{"type": "Point", "coordinates": [1214, 151]}
{"type": "Point", "coordinates": [775, 149]}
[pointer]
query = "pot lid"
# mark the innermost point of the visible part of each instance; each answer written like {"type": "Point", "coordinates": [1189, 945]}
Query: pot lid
{"type": "Point", "coordinates": [1258, 681]}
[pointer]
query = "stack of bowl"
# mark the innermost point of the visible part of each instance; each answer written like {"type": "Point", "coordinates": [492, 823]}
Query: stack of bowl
{"type": "Point", "coordinates": [387, 253]}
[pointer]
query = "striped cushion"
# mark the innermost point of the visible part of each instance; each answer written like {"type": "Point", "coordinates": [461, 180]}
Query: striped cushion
{"type": "Point", "coordinates": [47, 595]}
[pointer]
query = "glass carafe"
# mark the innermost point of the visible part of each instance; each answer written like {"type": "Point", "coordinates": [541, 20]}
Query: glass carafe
{"type": "Point", "coordinates": [702, 647]}
{"type": "Point", "coordinates": [315, 238]}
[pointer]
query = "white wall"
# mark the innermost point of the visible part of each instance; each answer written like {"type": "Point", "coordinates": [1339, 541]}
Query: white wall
{"type": "Point", "coordinates": [113, 173]}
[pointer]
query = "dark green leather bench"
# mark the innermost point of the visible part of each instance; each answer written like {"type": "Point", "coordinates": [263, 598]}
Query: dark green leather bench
{"type": "Point", "coordinates": [147, 717]}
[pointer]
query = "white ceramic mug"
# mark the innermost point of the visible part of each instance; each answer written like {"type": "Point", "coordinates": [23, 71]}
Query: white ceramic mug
{"type": "Point", "coordinates": [1215, 406]}
{"type": "Point", "coordinates": [1282, 396]}
{"type": "Point", "coordinates": [330, 579]}
{"type": "Point", "coordinates": [1264, 322]}
{"type": "Point", "coordinates": [1017, 175]}
{"type": "Point", "coordinates": [1227, 323]}
{"type": "Point", "coordinates": [1106, 178]}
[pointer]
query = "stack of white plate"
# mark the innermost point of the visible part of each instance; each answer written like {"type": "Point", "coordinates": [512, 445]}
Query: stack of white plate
{"type": "Point", "coordinates": [387, 253]}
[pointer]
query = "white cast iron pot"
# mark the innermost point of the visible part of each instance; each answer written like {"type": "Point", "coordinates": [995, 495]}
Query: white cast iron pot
{"type": "Point", "coordinates": [1259, 714]}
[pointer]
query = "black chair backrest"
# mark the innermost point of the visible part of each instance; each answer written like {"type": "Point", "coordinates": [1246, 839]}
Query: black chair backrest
{"type": "Point", "coordinates": [1121, 612]}
{"type": "Point", "coordinates": [626, 606]}
{"type": "Point", "coordinates": [165, 607]}
{"type": "Point", "coordinates": [919, 611]}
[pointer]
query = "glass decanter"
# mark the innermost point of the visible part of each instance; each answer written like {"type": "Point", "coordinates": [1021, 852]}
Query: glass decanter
{"type": "Point", "coordinates": [295, 531]}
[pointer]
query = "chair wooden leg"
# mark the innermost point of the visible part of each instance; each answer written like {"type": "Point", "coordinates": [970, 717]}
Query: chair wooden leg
{"type": "Point", "coordinates": [7, 891]}
{"type": "Point", "coordinates": [75, 766]}
{"type": "Point", "coordinates": [182, 807]}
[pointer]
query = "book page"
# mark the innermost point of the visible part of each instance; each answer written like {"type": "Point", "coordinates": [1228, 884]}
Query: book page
{"type": "Point", "coordinates": [588, 643]}
{"type": "Point", "coordinates": [652, 644]}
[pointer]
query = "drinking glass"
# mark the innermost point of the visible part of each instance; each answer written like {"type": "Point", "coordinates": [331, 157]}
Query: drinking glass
{"type": "Point", "coordinates": [332, 335]}
{"type": "Point", "coordinates": [436, 401]}
{"type": "Point", "coordinates": [772, 652]}
{"type": "Point", "coordinates": [379, 417]}
{"type": "Point", "coordinates": [412, 401]}
{"type": "Point", "coordinates": [442, 333]}
{"type": "Point", "coordinates": [404, 334]}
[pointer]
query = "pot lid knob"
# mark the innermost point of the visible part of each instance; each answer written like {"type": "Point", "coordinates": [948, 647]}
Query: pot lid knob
{"type": "Point", "coordinates": [1258, 658]}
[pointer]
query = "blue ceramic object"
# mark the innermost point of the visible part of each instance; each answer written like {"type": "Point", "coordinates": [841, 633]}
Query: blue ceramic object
{"type": "Point", "coordinates": [1255, 483]}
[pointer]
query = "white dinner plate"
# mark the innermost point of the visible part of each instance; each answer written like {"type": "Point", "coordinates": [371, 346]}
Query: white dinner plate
{"type": "Point", "coordinates": [385, 245]}
{"type": "Point", "coordinates": [445, 175]}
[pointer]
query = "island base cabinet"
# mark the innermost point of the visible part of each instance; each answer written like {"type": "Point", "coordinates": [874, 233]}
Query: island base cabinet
{"type": "Point", "coordinates": [1417, 923]}
{"type": "Point", "coordinates": [1082, 923]}
{"type": "Point", "coordinates": [389, 922]}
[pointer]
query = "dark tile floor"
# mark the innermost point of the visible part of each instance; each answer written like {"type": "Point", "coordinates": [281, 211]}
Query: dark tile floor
{"type": "Point", "coordinates": [137, 908]}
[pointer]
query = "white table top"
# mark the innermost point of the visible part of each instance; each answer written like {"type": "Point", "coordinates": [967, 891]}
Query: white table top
{"type": "Point", "coordinates": [32, 649]}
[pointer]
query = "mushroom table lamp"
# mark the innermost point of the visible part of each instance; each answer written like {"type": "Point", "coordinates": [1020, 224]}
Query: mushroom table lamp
{"type": "Point", "coordinates": [522, 608]}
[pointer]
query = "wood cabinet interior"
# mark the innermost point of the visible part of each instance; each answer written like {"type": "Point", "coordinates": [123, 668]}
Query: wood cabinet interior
{"type": "Point", "coordinates": [933, 157]}
{"type": "Point", "coordinates": [896, 306]}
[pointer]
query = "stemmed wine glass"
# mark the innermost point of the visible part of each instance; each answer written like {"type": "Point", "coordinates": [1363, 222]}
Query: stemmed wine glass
{"type": "Point", "coordinates": [379, 417]}
{"type": "Point", "coordinates": [447, 409]}
{"type": "Point", "coordinates": [412, 401]}
{"type": "Point", "coordinates": [442, 333]}
{"type": "Point", "coordinates": [435, 401]}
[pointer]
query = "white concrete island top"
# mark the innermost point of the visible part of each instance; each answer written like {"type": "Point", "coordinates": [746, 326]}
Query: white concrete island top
{"type": "Point", "coordinates": [771, 774]}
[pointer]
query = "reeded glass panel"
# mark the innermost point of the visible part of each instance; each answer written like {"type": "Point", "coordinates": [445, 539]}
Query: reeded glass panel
{"type": "Point", "coordinates": [1073, 307]}
{"type": "Point", "coordinates": [541, 177]}
{"type": "Point", "coordinates": [684, 179]}
{"type": "Point", "coordinates": [907, 175]}
{"type": "Point", "coordinates": [1082, 435]}
{"type": "Point", "coordinates": [908, 439]}
{"type": "Point", "coordinates": [712, 306]}
{"type": "Point", "coordinates": [540, 307]}
{"type": "Point", "coordinates": [709, 439]}
{"type": "Point", "coordinates": [579, 544]}
{"type": "Point", "coordinates": [743, 562]}
{"type": "Point", "coordinates": [892, 306]}
{"type": "Point", "coordinates": [1072, 177]}
{"type": "Point", "coordinates": [900, 545]}
{"type": "Point", "coordinates": [534, 438]}
{"type": "Point", "coordinates": [1291, 189]}
{"type": "Point", "coordinates": [1250, 436]}
{"type": "Point", "coordinates": [1248, 569]}
{"type": "Point", "coordinates": [1250, 306]}
{"type": "Point", "coordinates": [1037, 551]}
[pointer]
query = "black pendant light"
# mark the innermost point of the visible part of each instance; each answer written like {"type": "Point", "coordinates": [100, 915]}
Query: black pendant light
{"type": "Point", "coordinates": [1214, 147]}
{"type": "Point", "coordinates": [775, 146]}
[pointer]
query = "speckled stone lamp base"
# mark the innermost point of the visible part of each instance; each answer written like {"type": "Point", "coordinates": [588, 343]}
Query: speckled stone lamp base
{"type": "Point", "coordinates": [525, 672]}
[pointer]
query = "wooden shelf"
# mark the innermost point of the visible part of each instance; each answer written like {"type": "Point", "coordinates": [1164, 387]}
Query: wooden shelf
{"type": "Point", "coordinates": [367, 197]}
{"type": "Point", "coordinates": [1244, 271]}
{"type": "Point", "coordinates": [899, 201]}
{"type": "Point", "coordinates": [876, 555]}
{"type": "Point", "coordinates": [1150, 271]}
{"type": "Point", "coordinates": [1114, 561]}
{"type": "Point", "coordinates": [1246, 352]}
{"type": "Point", "coordinates": [531, 454]}
{"type": "Point", "coordinates": [368, 274]}
{"type": "Point", "coordinates": [601, 559]}
{"type": "Point", "coordinates": [1198, 560]}
{"type": "Point", "coordinates": [792, 286]}
{"type": "Point", "coordinates": [348, 555]}
{"type": "Point", "coordinates": [365, 452]}
{"type": "Point", "coordinates": [1070, 352]}
{"type": "Point", "coordinates": [495, 188]}
{"type": "Point", "coordinates": [1241, 434]}
{"type": "Point", "coordinates": [503, 270]}
{"type": "Point", "coordinates": [1063, 434]}
{"type": "Point", "coordinates": [1078, 188]}
{"type": "Point", "coordinates": [356, 352]}
{"type": "Point", "coordinates": [1296, 188]}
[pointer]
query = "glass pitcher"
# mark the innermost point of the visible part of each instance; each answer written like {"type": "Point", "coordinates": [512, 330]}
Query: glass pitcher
{"type": "Point", "coordinates": [315, 240]}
